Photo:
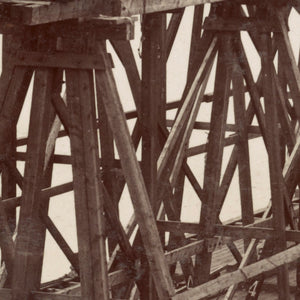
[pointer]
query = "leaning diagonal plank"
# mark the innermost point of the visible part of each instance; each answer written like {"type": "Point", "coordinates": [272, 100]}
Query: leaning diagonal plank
{"type": "Point", "coordinates": [214, 286]}
{"type": "Point", "coordinates": [184, 111]}
{"type": "Point", "coordinates": [136, 186]}
{"type": "Point", "coordinates": [188, 131]}
{"type": "Point", "coordinates": [28, 246]}
{"type": "Point", "coordinates": [11, 107]}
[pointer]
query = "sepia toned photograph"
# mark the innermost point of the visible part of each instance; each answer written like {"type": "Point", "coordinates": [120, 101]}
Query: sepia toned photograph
{"type": "Point", "coordinates": [149, 149]}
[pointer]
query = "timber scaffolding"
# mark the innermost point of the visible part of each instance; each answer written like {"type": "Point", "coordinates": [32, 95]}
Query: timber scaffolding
{"type": "Point", "coordinates": [60, 46]}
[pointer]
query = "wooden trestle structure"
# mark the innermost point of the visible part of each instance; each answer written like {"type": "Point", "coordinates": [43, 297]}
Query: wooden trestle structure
{"type": "Point", "coordinates": [60, 46]}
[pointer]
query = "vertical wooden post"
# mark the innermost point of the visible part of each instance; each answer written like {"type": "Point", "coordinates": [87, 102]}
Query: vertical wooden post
{"type": "Point", "coordinates": [195, 39]}
{"type": "Point", "coordinates": [87, 189]}
{"type": "Point", "coordinates": [212, 171]}
{"type": "Point", "coordinates": [48, 161]}
{"type": "Point", "coordinates": [243, 149]}
{"type": "Point", "coordinates": [8, 186]}
{"type": "Point", "coordinates": [272, 132]}
{"type": "Point", "coordinates": [107, 164]}
{"type": "Point", "coordinates": [152, 109]}
{"type": "Point", "coordinates": [153, 96]}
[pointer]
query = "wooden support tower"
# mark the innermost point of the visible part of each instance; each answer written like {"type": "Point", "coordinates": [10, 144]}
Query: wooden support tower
{"type": "Point", "coordinates": [56, 60]}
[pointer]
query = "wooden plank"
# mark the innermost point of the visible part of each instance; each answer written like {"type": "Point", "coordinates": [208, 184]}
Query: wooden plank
{"type": "Point", "coordinates": [213, 164]}
{"type": "Point", "coordinates": [186, 265]}
{"type": "Point", "coordinates": [104, 27]}
{"type": "Point", "coordinates": [107, 164]}
{"type": "Point", "coordinates": [184, 111]}
{"type": "Point", "coordinates": [187, 170]}
{"type": "Point", "coordinates": [52, 131]}
{"type": "Point", "coordinates": [88, 193]}
{"type": "Point", "coordinates": [193, 181]}
{"type": "Point", "coordinates": [173, 29]}
{"type": "Point", "coordinates": [288, 135]}
{"type": "Point", "coordinates": [243, 158]}
{"type": "Point", "coordinates": [199, 52]}
{"type": "Point", "coordinates": [228, 141]}
{"type": "Point", "coordinates": [212, 287]}
{"type": "Point", "coordinates": [59, 104]}
{"type": "Point", "coordinates": [181, 152]}
{"type": "Point", "coordinates": [173, 213]}
{"type": "Point", "coordinates": [136, 185]}
{"type": "Point", "coordinates": [57, 158]}
{"type": "Point", "coordinates": [58, 11]}
{"type": "Point", "coordinates": [193, 228]}
{"type": "Point", "coordinates": [171, 202]}
{"type": "Point", "coordinates": [28, 246]}
{"type": "Point", "coordinates": [9, 178]}
{"type": "Point", "coordinates": [61, 242]}
{"type": "Point", "coordinates": [112, 213]}
{"type": "Point", "coordinates": [184, 252]}
{"type": "Point", "coordinates": [283, 116]}
{"type": "Point", "coordinates": [240, 24]}
{"type": "Point", "coordinates": [137, 7]}
{"type": "Point", "coordinates": [274, 160]}
{"type": "Point", "coordinates": [252, 87]}
{"type": "Point", "coordinates": [290, 171]}
{"type": "Point", "coordinates": [11, 108]}
{"type": "Point", "coordinates": [6, 294]}
{"type": "Point", "coordinates": [17, 176]}
{"type": "Point", "coordinates": [238, 232]}
{"type": "Point", "coordinates": [59, 60]}
{"type": "Point", "coordinates": [51, 296]}
{"type": "Point", "coordinates": [125, 54]}
{"type": "Point", "coordinates": [153, 99]}
{"type": "Point", "coordinates": [114, 279]}
{"type": "Point", "coordinates": [6, 244]}
{"type": "Point", "coordinates": [229, 127]}
{"type": "Point", "coordinates": [41, 230]}
{"type": "Point", "coordinates": [47, 192]}
{"type": "Point", "coordinates": [118, 32]}
{"type": "Point", "coordinates": [10, 44]}
{"type": "Point", "coordinates": [195, 39]}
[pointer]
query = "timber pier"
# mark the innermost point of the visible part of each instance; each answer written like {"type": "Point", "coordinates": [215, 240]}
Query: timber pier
{"type": "Point", "coordinates": [56, 54]}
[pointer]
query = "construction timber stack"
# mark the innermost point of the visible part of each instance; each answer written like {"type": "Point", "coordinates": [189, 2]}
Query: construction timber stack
{"type": "Point", "coordinates": [60, 46]}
